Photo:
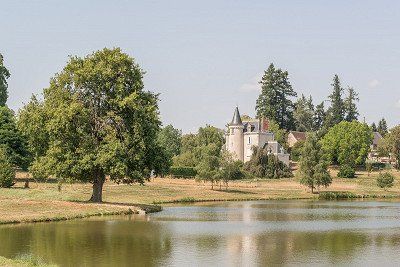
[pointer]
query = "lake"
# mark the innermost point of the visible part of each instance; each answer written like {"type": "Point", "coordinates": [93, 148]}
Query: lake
{"type": "Point", "coordinates": [254, 233]}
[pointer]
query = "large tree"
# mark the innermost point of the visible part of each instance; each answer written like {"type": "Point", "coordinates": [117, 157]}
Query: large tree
{"type": "Point", "coordinates": [304, 114]}
{"type": "Point", "coordinates": [171, 139]}
{"type": "Point", "coordinates": [348, 143]}
{"type": "Point", "coordinates": [314, 164]}
{"type": "Point", "coordinates": [99, 121]}
{"type": "Point", "coordinates": [350, 105]}
{"type": "Point", "coordinates": [4, 75]}
{"type": "Point", "coordinates": [195, 147]}
{"type": "Point", "coordinates": [337, 108]}
{"type": "Point", "coordinates": [275, 101]}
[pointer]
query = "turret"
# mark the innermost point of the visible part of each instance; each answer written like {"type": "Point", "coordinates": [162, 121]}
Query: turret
{"type": "Point", "coordinates": [234, 140]}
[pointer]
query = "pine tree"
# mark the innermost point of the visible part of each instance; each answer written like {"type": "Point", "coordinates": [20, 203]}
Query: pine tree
{"type": "Point", "coordinates": [275, 101]}
{"type": "Point", "coordinates": [337, 108]}
{"type": "Point", "coordinates": [350, 105]}
{"type": "Point", "coordinates": [304, 114]}
{"type": "Point", "coordinates": [319, 116]}
{"type": "Point", "coordinates": [373, 127]}
{"type": "Point", "coordinates": [314, 165]}
{"type": "Point", "coordinates": [4, 75]}
{"type": "Point", "coordinates": [382, 127]}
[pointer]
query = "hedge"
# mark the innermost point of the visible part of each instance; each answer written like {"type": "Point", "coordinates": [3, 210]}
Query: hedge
{"type": "Point", "coordinates": [182, 172]}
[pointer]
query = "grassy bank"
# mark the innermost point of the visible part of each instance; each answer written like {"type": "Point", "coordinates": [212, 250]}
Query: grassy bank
{"type": "Point", "coordinates": [43, 202]}
{"type": "Point", "coordinates": [23, 262]}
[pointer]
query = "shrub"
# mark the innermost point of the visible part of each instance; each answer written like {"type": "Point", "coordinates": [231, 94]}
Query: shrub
{"type": "Point", "coordinates": [296, 151]}
{"type": "Point", "coordinates": [265, 165]}
{"type": "Point", "coordinates": [385, 180]}
{"type": "Point", "coordinates": [183, 172]}
{"type": "Point", "coordinates": [346, 171]}
{"type": "Point", "coordinates": [7, 172]}
{"type": "Point", "coordinates": [330, 195]}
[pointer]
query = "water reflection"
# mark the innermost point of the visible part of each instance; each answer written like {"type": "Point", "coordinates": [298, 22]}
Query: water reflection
{"type": "Point", "coordinates": [223, 234]}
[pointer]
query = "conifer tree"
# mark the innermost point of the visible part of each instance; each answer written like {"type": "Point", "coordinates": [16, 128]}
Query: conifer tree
{"type": "Point", "coordinates": [304, 114]}
{"type": "Point", "coordinates": [4, 75]}
{"type": "Point", "coordinates": [373, 127]}
{"type": "Point", "coordinates": [275, 101]}
{"type": "Point", "coordinates": [319, 116]}
{"type": "Point", "coordinates": [382, 127]}
{"type": "Point", "coordinates": [350, 105]}
{"type": "Point", "coordinates": [337, 108]}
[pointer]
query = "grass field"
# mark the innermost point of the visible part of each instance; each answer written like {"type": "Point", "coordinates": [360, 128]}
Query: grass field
{"type": "Point", "coordinates": [43, 201]}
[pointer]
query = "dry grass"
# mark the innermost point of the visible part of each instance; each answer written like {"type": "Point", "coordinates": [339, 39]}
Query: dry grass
{"type": "Point", "coordinates": [44, 202]}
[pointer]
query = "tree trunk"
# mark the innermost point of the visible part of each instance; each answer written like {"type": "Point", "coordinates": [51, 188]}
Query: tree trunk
{"type": "Point", "coordinates": [26, 183]}
{"type": "Point", "coordinates": [98, 182]}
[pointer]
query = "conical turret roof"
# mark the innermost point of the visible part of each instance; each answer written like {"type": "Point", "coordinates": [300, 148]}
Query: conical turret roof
{"type": "Point", "coordinates": [236, 120]}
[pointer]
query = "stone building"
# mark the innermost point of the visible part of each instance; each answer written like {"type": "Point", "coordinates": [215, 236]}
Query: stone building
{"type": "Point", "coordinates": [243, 136]}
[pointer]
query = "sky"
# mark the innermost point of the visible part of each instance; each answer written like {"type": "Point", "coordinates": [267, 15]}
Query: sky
{"type": "Point", "coordinates": [206, 57]}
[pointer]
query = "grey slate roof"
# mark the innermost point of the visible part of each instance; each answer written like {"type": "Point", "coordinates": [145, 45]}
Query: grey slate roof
{"type": "Point", "coordinates": [236, 120]}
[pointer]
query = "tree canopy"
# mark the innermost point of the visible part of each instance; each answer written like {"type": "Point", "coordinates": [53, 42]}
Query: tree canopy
{"type": "Point", "coordinates": [275, 101]}
{"type": "Point", "coordinates": [98, 121]}
{"type": "Point", "coordinates": [348, 143]}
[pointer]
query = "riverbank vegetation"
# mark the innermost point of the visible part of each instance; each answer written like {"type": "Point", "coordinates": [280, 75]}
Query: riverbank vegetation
{"type": "Point", "coordinates": [44, 202]}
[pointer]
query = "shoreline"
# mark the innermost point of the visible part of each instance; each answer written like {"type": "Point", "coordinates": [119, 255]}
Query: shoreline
{"type": "Point", "coordinates": [44, 202]}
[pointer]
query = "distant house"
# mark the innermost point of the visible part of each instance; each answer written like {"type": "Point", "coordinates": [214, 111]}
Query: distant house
{"type": "Point", "coordinates": [373, 154]}
{"type": "Point", "coordinates": [294, 137]}
{"type": "Point", "coordinates": [242, 136]}
{"type": "Point", "coordinates": [375, 141]}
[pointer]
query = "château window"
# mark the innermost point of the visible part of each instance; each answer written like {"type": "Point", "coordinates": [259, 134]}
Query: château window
{"type": "Point", "coordinates": [249, 140]}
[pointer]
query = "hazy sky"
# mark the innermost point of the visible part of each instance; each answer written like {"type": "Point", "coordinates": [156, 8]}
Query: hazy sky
{"type": "Point", "coordinates": [204, 57]}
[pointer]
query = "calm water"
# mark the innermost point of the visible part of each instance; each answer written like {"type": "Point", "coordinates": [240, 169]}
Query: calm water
{"type": "Point", "coordinates": [260, 233]}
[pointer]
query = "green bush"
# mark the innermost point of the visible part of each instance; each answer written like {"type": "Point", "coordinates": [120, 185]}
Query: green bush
{"type": "Point", "coordinates": [385, 180]}
{"type": "Point", "coordinates": [296, 151]}
{"type": "Point", "coordinates": [182, 172]}
{"type": "Point", "coordinates": [330, 195]}
{"type": "Point", "coordinates": [346, 171]}
{"type": "Point", "coordinates": [7, 172]}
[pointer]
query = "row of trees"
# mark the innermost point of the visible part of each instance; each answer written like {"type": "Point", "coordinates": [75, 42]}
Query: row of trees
{"type": "Point", "coordinates": [277, 103]}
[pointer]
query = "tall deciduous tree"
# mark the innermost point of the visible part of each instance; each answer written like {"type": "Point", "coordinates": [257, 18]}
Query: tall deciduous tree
{"type": "Point", "coordinates": [171, 139]}
{"type": "Point", "coordinates": [99, 122]}
{"type": "Point", "coordinates": [4, 75]}
{"type": "Point", "coordinates": [314, 165]}
{"type": "Point", "coordinates": [304, 114]}
{"type": "Point", "coordinates": [350, 105]}
{"type": "Point", "coordinates": [275, 101]}
{"type": "Point", "coordinates": [348, 143]}
{"type": "Point", "coordinates": [337, 108]}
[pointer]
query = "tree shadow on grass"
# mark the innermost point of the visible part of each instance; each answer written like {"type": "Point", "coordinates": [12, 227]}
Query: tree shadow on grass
{"type": "Point", "coordinates": [235, 191]}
